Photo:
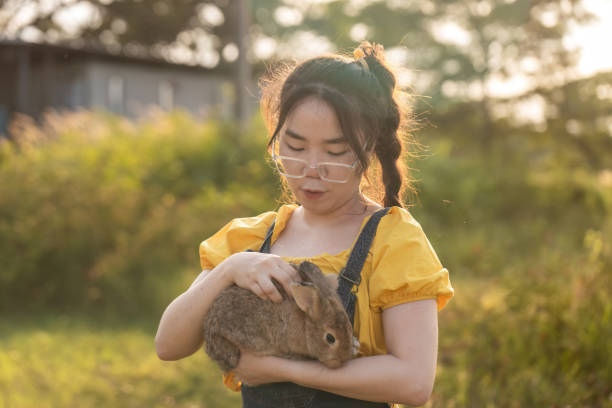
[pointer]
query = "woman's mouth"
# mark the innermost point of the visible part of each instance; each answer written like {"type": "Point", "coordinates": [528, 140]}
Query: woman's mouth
{"type": "Point", "coordinates": [312, 194]}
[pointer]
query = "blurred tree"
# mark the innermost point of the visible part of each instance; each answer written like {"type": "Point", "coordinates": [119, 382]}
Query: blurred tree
{"type": "Point", "coordinates": [581, 117]}
{"type": "Point", "coordinates": [465, 55]}
{"type": "Point", "coordinates": [464, 48]}
{"type": "Point", "coordinates": [187, 31]}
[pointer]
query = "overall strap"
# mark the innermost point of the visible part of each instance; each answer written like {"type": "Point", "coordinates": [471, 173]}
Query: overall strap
{"type": "Point", "coordinates": [291, 395]}
{"type": "Point", "coordinates": [265, 247]}
{"type": "Point", "coordinates": [350, 276]}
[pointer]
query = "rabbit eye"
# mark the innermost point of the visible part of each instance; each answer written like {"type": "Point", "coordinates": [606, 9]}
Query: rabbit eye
{"type": "Point", "coordinates": [330, 338]}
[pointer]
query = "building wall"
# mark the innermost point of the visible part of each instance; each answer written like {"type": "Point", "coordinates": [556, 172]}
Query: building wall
{"type": "Point", "coordinates": [140, 87]}
{"type": "Point", "coordinates": [33, 80]}
{"type": "Point", "coordinates": [50, 84]}
{"type": "Point", "coordinates": [8, 81]}
{"type": "Point", "coordinates": [45, 81]}
{"type": "Point", "coordinates": [60, 85]}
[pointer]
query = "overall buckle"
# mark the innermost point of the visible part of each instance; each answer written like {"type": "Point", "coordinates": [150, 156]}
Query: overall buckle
{"type": "Point", "coordinates": [346, 278]}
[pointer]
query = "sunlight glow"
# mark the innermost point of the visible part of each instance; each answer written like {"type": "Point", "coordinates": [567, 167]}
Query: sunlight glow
{"type": "Point", "coordinates": [288, 16]}
{"type": "Point", "coordinates": [211, 15]}
{"type": "Point", "coordinates": [449, 32]}
{"type": "Point", "coordinates": [264, 47]}
{"type": "Point", "coordinates": [593, 39]}
{"type": "Point", "coordinates": [75, 17]}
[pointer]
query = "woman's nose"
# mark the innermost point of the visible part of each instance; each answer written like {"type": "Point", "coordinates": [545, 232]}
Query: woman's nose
{"type": "Point", "coordinates": [311, 170]}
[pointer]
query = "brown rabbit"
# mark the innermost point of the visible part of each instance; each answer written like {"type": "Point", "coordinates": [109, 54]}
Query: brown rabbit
{"type": "Point", "coordinates": [313, 325]}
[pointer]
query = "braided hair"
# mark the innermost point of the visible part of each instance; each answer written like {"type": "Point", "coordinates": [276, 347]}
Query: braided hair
{"type": "Point", "coordinates": [363, 93]}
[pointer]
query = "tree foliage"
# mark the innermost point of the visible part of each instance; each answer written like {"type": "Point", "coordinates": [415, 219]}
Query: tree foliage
{"type": "Point", "coordinates": [456, 53]}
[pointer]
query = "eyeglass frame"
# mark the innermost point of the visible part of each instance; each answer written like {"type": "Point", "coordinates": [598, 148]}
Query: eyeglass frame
{"type": "Point", "coordinates": [308, 166]}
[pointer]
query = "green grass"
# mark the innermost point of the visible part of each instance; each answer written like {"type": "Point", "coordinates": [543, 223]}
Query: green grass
{"type": "Point", "coordinates": [76, 362]}
{"type": "Point", "coordinates": [499, 346]}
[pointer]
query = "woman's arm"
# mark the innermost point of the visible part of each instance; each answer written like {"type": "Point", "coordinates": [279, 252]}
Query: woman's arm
{"type": "Point", "coordinates": [180, 329]}
{"type": "Point", "coordinates": [180, 332]}
{"type": "Point", "coordinates": [405, 375]}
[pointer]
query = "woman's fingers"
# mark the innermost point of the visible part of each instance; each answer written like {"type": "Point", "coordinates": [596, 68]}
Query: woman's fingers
{"type": "Point", "coordinates": [256, 289]}
{"type": "Point", "coordinates": [285, 278]}
{"type": "Point", "coordinates": [293, 272]}
{"type": "Point", "coordinates": [258, 274]}
{"type": "Point", "coordinates": [270, 290]}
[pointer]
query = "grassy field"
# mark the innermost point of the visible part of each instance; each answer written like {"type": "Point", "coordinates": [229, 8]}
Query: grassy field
{"type": "Point", "coordinates": [83, 361]}
{"type": "Point", "coordinates": [78, 361]}
{"type": "Point", "coordinates": [61, 361]}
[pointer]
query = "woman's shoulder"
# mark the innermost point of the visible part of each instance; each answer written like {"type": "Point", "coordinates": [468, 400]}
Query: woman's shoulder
{"type": "Point", "coordinates": [400, 236]}
{"type": "Point", "coordinates": [405, 266]}
{"type": "Point", "coordinates": [259, 224]}
{"type": "Point", "coordinates": [252, 222]}
{"type": "Point", "coordinates": [398, 222]}
{"type": "Point", "coordinates": [237, 235]}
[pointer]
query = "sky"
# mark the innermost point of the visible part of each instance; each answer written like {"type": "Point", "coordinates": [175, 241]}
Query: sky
{"type": "Point", "coordinates": [594, 39]}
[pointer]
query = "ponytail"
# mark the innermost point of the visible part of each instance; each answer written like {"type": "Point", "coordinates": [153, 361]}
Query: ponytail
{"type": "Point", "coordinates": [388, 147]}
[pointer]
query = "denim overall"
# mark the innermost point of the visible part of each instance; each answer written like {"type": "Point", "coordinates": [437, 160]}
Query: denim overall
{"type": "Point", "coordinates": [291, 395]}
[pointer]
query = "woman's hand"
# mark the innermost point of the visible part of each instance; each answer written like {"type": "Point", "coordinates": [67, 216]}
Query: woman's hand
{"type": "Point", "coordinates": [255, 270]}
{"type": "Point", "coordinates": [253, 370]}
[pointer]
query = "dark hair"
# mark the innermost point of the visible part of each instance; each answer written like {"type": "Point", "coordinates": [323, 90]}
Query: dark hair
{"type": "Point", "coordinates": [372, 115]}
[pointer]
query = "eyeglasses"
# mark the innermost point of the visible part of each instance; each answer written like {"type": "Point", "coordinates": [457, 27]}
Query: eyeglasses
{"type": "Point", "coordinates": [297, 168]}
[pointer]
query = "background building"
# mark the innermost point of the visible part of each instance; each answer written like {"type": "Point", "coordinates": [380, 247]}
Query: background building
{"type": "Point", "coordinates": [35, 77]}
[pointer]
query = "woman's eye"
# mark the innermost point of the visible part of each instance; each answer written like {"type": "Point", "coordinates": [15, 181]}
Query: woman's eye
{"type": "Point", "coordinates": [295, 148]}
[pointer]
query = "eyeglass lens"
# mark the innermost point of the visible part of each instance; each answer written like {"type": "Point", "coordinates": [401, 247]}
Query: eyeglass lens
{"type": "Point", "coordinates": [298, 168]}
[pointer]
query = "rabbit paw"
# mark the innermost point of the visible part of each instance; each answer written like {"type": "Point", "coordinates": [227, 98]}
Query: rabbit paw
{"type": "Point", "coordinates": [356, 346]}
{"type": "Point", "coordinates": [224, 352]}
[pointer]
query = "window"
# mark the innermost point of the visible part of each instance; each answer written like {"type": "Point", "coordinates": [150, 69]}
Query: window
{"type": "Point", "coordinates": [165, 92]}
{"type": "Point", "coordinates": [115, 94]}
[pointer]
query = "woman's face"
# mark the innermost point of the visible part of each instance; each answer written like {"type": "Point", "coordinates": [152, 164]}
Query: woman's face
{"type": "Point", "coordinates": [312, 132]}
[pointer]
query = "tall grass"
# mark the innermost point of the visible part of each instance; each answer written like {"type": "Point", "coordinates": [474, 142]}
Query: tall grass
{"type": "Point", "coordinates": [98, 212]}
{"type": "Point", "coordinates": [60, 361]}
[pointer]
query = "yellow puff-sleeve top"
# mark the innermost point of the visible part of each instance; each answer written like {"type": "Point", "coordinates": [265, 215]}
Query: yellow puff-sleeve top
{"type": "Point", "coordinates": [401, 267]}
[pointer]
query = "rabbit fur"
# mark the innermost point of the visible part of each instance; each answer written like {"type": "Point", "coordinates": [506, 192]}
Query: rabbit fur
{"type": "Point", "coordinates": [312, 325]}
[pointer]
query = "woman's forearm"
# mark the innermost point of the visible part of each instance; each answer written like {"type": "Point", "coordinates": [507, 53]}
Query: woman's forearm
{"type": "Point", "coordinates": [180, 331]}
{"type": "Point", "coordinates": [383, 378]}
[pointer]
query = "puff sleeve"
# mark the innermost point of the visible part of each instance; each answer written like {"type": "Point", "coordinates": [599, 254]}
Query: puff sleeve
{"type": "Point", "coordinates": [405, 267]}
{"type": "Point", "coordinates": [237, 235]}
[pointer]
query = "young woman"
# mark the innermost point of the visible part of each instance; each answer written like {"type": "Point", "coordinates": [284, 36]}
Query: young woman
{"type": "Point", "coordinates": [330, 117]}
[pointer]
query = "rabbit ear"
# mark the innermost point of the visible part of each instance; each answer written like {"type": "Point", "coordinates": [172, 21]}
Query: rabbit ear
{"type": "Point", "coordinates": [308, 271]}
{"type": "Point", "coordinates": [332, 278]}
{"type": "Point", "coordinates": [307, 298]}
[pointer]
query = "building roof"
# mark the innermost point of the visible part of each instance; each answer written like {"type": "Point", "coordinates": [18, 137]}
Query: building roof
{"type": "Point", "coordinates": [69, 52]}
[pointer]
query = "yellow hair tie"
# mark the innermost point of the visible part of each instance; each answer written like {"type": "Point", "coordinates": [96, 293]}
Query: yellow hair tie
{"type": "Point", "coordinates": [359, 55]}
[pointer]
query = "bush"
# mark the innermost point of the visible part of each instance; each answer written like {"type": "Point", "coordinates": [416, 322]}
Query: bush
{"type": "Point", "coordinates": [100, 212]}
{"type": "Point", "coordinates": [534, 337]}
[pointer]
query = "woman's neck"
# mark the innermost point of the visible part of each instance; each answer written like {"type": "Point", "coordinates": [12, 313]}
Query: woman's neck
{"type": "Point", "coordinates": [355, 207]}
